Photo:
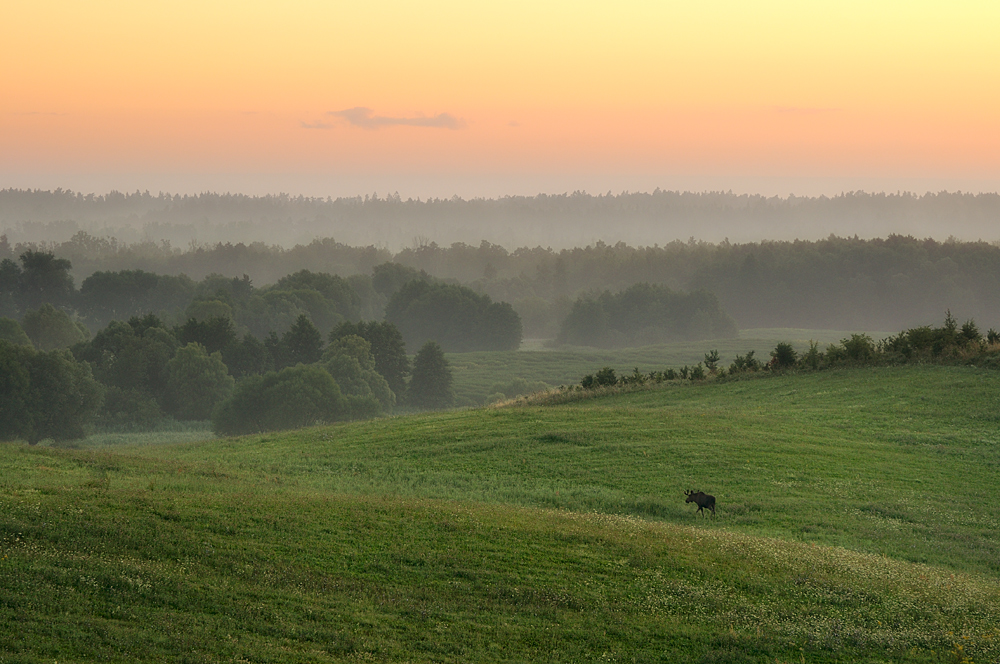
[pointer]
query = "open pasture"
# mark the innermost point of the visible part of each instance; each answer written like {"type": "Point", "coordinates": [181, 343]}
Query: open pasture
{"type": "Point", "coordinates": [476, 373]}
{"type": "Point", "coordinates": [857, 521]}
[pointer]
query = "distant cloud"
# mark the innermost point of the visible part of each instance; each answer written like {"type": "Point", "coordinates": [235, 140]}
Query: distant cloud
{"type": "Point", "coordinates": [359, 116]}
{"type": "Point", "coordinates": [316, 125]}
{"type": "Point", "coordinates": [513, 123]}
{"type": "Point", "coordinates": [804, 110]}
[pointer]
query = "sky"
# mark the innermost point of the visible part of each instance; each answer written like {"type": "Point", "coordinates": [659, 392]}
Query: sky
{"type": "Point", "coordinates": [440, 97]}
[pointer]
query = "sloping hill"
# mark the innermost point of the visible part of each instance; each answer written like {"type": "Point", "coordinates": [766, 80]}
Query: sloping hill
{"type": "Point", "coordinates": [857, 522]}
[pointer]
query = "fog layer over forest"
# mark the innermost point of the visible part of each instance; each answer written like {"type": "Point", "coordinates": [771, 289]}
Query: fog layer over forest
{"type": "Point", "coordinates": [838, 282]}
{"type": "Point", "coordinates": [559, 221]}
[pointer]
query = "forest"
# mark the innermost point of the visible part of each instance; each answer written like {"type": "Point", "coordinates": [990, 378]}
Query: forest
{"type": "Point", "coordinates": [838, 282]}
{"type": "Point", "coordinates": [250, 359]}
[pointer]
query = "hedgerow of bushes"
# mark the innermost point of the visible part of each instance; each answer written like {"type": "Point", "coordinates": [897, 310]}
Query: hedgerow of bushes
{"type": "Point", "coordinates": [949, 344]}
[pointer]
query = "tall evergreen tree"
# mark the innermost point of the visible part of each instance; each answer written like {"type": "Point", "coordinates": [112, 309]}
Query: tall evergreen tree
{"type": "Point", "coordinates": [302, 343]}
{"type": "Point", "coordinates": [431, 385]}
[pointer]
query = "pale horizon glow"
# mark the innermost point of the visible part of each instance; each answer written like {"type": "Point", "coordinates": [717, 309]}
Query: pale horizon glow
{"type": "Point", "coordinates": [487, 99]}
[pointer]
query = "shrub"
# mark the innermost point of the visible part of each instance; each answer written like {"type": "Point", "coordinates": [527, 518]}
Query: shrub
{"type": "Point", "coordinates": [516, 388]}
{"type": "Point", "coordinates": [835, 354]}
{"type": "Point", "coordinates": [859, 348]}
{"type": "Point", "coordinates": [635, 378]}
{"type": "Point", "coordinates": [745, 363]}
{"type": "Point", "coordinates": [783, 356]}
{"type": "Point", "coordinates": [606, 377]}
{"type": "Point", "coordinates": [812, 358]}
{"type": "Point", "coordinates": [970, 333]}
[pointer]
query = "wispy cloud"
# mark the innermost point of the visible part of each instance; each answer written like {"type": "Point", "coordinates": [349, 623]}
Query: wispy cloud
{"type": "Point", "coordinates": [359, 116]}
{"type": "Point", "coordinates": [316, 125]}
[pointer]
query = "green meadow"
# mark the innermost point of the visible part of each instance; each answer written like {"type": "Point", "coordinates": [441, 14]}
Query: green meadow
{"type": "Point", "coordinates": [477, 373]}
{"type": "Point", "coordinates": [857, 522]}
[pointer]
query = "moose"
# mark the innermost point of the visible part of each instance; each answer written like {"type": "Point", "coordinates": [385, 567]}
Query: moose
{"type": "Point", "coordinates": [702, 500]}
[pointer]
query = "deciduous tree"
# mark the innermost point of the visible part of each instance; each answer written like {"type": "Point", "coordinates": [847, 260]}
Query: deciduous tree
{"type": "Point", "coordinates": [297, 396]}
{"type": "Point", "coordinates": [196, 382]}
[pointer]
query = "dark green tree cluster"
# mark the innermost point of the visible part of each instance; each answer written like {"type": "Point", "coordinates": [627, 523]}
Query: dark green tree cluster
{"type": "Point", "coordinates": [294, 397]}
{"type": "Point", "coordinates": [456, 317]}
{"type": "Point", "coordinates": [387, 347]}
{"type": "Point", "coordinates": [350, 361]}
{"type": "Point", "coordinates": [149, 372]}
{"type": "Point", "coordinates": [44, 280]}
{"type": "Point", "coordinates": [106, 296]}
{"type": "Point", "coordinates": [44, 394]}
{"type": "Point", "coordinates": [645, 314]}
{"type": "Point", "coordinates": [40, 279]}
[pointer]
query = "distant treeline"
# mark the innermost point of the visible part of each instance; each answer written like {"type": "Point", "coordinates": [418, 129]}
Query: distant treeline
{"type": "Point", "coordinates": [643, 315]}
{"type": "Point", "coordinates": [839, 283]}
{"type": "Point", "coordinates": [558, 221]}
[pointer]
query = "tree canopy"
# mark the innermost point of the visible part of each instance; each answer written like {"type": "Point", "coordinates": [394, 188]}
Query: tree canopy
{"type": "Point", "coordinates": [456, 317]}
{"type": "Point", "coordinates": [387, 347]}
{"type": "Point", "coordinates": [45, 394]}
{"type": "Point", "coordinates": [297, 396]}
{"type": "Point", "coordinates": [645, 314]}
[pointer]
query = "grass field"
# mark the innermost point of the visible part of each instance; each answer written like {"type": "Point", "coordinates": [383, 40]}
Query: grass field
{"type": "Point", "coordinates": [857, 521]}
{"type": "Point", "coordinates": [476, 373]}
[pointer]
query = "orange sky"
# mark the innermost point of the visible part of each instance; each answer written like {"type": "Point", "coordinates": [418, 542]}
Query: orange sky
{"type": "Point", "coordinates": [471, 98]}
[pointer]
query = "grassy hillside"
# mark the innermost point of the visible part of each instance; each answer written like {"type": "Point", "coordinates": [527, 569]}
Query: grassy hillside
{"type": "Point", "coordinates": [857, 522]}
{"type": "Point", "coordinates": [477, 373]}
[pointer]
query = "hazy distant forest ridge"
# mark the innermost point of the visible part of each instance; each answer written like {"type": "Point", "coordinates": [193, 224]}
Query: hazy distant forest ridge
{"type": "Point", "coordinates": [557, 221]}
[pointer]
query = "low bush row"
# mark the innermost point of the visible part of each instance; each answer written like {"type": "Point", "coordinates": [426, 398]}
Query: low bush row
{"type": "Point", "coordinates": [950, 343]}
